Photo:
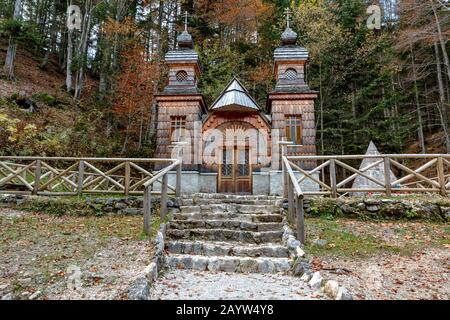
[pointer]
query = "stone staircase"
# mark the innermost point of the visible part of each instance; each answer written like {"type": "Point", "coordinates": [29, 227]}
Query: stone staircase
{"type": "Point", "coordinates": [228, 233]}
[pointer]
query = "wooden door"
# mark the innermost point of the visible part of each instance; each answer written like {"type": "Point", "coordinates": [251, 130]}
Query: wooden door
{"type": "Point", "coordinates": [235, 171]}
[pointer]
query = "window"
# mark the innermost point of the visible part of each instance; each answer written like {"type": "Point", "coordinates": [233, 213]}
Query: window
{"type": "Point", "coordinates": [178, 125]}
{"type": "Point", "coordinates": [294, 129]}
{"type": "Point", "coordinates": [290, 74]}
{"type": "Point", "coordinates": [182, 76]}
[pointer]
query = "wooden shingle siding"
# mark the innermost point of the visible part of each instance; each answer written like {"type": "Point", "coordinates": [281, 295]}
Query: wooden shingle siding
{"type": "Point", "coordinates": [296, 104]}
{"type": "Point", "coordinates": [190, 107]}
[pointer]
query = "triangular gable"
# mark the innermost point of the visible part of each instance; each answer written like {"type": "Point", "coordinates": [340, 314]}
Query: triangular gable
{"type": "Point", "coordinates": [235, 96]}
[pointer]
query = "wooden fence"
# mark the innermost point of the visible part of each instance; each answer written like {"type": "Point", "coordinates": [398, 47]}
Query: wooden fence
{"type": "Point", "coordinates": [414, 174]}
{"type": "Point", "coordinates": [77, 176]}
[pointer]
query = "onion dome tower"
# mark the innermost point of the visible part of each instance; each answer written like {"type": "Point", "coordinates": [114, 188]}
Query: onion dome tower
{"type": "Point", "coordinates": [291, 104]}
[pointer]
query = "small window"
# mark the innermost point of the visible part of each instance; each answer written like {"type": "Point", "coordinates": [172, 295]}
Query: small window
{"type": "Point", "coordinates": [294, 129]}
{"type": "Point", "coordinates": [177, 127]}
{"type": "Point", "coordinates": [182, 76]}
{"type": "Point", "coordinates": [290, 74]}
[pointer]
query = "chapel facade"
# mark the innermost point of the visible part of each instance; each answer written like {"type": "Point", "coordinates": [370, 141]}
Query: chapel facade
{"type": "Point", "coordinates": [233, 145]}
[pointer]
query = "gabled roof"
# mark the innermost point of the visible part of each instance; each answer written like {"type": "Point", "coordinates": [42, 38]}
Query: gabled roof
{"type": "Point", "coordinates": [235, 96]}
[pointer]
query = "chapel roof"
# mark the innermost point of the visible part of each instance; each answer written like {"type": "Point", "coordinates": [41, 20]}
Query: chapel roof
{"type": "Point", "coordinates": [235, 97]}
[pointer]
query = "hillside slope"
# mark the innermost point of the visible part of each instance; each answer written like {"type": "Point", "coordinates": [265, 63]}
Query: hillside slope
{"type": "Point", "coordinates": [58, 125]}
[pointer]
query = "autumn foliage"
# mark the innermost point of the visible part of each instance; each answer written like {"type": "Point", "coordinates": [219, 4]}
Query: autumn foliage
{"type": "Point", "coordinates": [135, 83]}
{"type": "Point", "coordinates": [134, 94]}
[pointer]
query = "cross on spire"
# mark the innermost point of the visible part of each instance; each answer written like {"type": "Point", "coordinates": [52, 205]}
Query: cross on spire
{"type": "Point", "coordinates": [185, 20]}
{"type": "Point", "coordinates": [288, 13]}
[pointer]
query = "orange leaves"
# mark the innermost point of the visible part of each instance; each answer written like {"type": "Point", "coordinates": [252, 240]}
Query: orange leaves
{"type": "Point", "coordinates": [241, 15]}
{"type": "Point", "coordinates": [263, 74]}
{"type": "Point", "coordinates": [126, 27]}
{"type": "Point", "coordinates": [135, 87]}
{"type": "Point", "coordinates": [135, 84]}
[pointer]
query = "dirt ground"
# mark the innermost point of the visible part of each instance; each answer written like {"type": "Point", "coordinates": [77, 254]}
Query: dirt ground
{"type": "Point", "coordinates": [48, 257]}
{"type": "Point", "coordinates": [384, 260]}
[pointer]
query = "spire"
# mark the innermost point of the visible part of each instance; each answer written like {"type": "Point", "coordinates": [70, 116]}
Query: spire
{"type": "Point", "coordinates": [289, 37]}
{"type": "Point", "coordinates": [288, 16]}
{"type": "Point", "coordinates": [185, 39]}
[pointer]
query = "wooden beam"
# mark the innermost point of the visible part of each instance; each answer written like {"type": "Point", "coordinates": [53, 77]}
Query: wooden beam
{"type": "Point", "coordinates": [300, 219]}
{"type": "Point", "coordinates": [400, 166]}
{"type": "Point", "coordinates": [127, 178]}
{"type": "Point", "coordinates": [441, 176]}
{"type": "Point", "coordinates": [80, 177]}
{"type": "Point", "coordinates": [291, 204]}
{"type": "Point", "coordinates": [147, 209]}
{"type": "Point", "coordinates": [419, 170]}
{"type": "Point", "coordinates": [163, 210]}
{"type": "Point", "coordinates": [387, 176]}
{"type": "Point", "coordinates": [179, 176]}
{"type": "Point", "coordinates": [346, 166]}
{"type": "Point", "coordinates": [37, 177]}
{"type": "Point", "coordinates": [333, 184]}
{"type": "Point", "coordinates": [105, 175]}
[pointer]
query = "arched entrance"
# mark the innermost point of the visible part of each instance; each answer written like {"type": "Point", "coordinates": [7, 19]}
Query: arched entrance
{"type": "Point", "coordinates": [236, 158]}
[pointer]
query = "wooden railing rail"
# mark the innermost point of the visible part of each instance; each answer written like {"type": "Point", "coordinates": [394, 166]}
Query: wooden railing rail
{"type": "Point", "coordinates": [64, 176]}
{"type": "Point", "coordinates": [412, 176]}
{"type": "Point", "coordinates": [163, 174]}
{"type": "Point", "coordinates": [295, 197]}
{"type": "Point", "coordinates": [409, 179]}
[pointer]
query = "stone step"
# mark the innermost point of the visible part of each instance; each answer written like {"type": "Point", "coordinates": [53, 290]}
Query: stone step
{"type": "Point", "coordinates": [225, 224]}
{"type": "Point", "coordinates": [229, 264]}
{"type": "Point", "coordinates": [230, 216]}
{"type": "Point", "coordinates": [201, 201]}
{"type": "Point", "coordinates": [231, 208]}
{"type": "Point", "coordinates": [230, 197]}
{"type": "Point", "coordinates": [210, 248]}
{"type": "Point", "coordinates": [226, 235]}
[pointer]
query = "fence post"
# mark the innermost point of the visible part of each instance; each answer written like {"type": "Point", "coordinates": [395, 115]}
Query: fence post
{"type": "Point", "coordinates": [178, 185]}
{"type": "Point", "coordinates": [163, 210]}
{"type": "Point", "coordinates": [73, 177]}
{"type": "Point", "coordinates": [283, 148]}
{"type": "Point", "coordinates": [80, 177]}
{"type": "Point", "coordinates": [333, 178]}
{"type": "Point", "coordinates": [300, 219]}
{"type": "Point", "coordinates": [37, 177]}
{"type": "Point", "coordinates": [291, 200]}
{"type": "Point", "coordinates": [387, 176]}
{"type": "Point", "coordinates": [147, 209]}
{"type": "Point", "coordinates": [441, 176]}
{"type": "Point", "coordinates": [127, 178]}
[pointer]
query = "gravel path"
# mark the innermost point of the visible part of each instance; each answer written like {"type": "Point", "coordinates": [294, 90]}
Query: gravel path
{"type": "Point", "coordinates": [194, 285]}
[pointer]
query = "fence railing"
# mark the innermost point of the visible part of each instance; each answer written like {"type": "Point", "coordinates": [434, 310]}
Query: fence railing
{"type": "Point", "coordinates": [334, 176]}
{"type": "Point", "coordinates": [78, 176]}
{"type": "Point", "coordinates": [295, 198]}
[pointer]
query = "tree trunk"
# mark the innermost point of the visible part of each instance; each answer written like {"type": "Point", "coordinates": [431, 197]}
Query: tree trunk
{"type": "Point", "coordinates": [419, 113]}
{"type": "Point", "coordinates": [8, 68]}
{"type": "Point", "coordinates": [441, 40]}
{"type": "Point", "coordinates": [443, 110]}
{"type": "Point", "coordinates": [82, 48]}
{"type": "Point", "coordinates": [69, 57]}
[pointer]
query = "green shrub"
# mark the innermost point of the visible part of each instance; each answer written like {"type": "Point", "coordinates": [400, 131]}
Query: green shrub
{"type": "Point", "coordinates": [45, 98]}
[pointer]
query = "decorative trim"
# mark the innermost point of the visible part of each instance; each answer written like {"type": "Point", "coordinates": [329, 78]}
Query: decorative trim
{"type": "Point", "coordinates": [293, 96]}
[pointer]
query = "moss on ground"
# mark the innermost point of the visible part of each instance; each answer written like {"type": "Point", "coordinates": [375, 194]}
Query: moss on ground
{"type": "Point", "coordinates": [431, 208]}
{"type": "Point", "coordinates": [352, 237]}
{"type": "Point", "coordinates": [71, 206]}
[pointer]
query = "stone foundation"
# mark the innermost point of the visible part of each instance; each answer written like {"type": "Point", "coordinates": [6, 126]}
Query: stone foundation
{"type": "Point", "coordinates": [264, 182]}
